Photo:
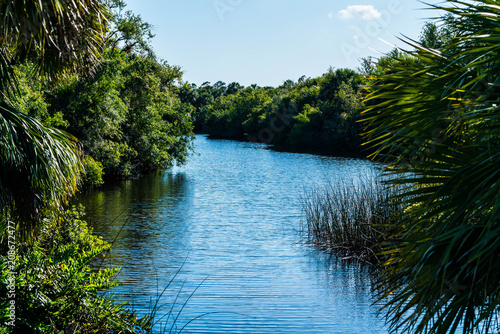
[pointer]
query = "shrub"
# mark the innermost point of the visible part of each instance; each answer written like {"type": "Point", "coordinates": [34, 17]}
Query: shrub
{"type": "Point", "coordinates": [93, 171]}
{"type": "Point", "coordinates": [56, 290]}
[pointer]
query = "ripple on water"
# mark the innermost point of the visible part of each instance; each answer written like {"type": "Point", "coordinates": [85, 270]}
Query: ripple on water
{"type": "Point", "coordinates": [229, 218]}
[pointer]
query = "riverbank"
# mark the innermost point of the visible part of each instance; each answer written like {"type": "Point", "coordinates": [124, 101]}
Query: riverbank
{"type": "Point", "coordinates": [285, 148]}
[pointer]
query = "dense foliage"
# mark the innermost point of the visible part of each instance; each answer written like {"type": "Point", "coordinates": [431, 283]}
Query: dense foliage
{"type": "Point", "coordinates": [55, 287]}
{"type": "Point", "coordinates": [312, 114]}
{"type": "Point", "coordinates": [127, 115]}
{"type": "Point", "coordinates": [434, 118]}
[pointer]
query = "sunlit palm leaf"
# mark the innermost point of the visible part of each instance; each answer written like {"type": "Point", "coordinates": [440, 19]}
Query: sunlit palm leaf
{"type": "Point", "coordinates": [436, 120]}
{"type": "Point", "coordinates": [40, 166]}
{"type": "Point", "coordinates": [62, 35]}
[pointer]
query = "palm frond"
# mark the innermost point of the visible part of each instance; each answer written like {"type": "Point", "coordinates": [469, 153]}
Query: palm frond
{"type": "Point", "coordinates": [62, 35]}
{"type": "Point", "coordinates": [40, 167]}
{"type": "Point", "coordinates": [435, 120]}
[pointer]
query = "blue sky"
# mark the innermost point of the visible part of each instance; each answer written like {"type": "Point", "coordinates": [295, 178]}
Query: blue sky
{"type": "Point", "coordinates": [269, 41]}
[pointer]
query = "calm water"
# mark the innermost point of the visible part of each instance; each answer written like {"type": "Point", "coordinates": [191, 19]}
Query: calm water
{"type": "Point", "coordinates": [228, 222]}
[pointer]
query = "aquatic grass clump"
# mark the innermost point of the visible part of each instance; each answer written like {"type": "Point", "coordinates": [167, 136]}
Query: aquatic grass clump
{"type": "Point", "coordinates": [349, 217]}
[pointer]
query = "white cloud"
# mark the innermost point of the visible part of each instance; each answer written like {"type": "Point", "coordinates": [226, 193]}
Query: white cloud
{"type": "Point", "coordinates": [366, 12]}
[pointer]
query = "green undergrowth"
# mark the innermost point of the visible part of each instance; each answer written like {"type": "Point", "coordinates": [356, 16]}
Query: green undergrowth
{"type": "Point", "coordinates": [56, 289]}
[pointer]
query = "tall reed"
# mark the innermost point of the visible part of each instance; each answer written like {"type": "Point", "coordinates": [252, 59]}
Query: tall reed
{"type": "Point", "coordinates": [349, 217]}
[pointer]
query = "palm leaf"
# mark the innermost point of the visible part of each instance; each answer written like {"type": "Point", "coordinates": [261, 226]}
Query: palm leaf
{"type": "Point", "coordinates": [40, 167]}
{"type": "Point", "coordinates": [62, 35]}
{"type": "Point", "coordinates": [435, 121]}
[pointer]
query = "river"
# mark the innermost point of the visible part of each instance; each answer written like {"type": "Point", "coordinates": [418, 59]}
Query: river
{"type": "Point", "coordinates": [221, 235]}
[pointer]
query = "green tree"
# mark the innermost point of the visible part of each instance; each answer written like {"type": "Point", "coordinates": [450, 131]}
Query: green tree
{"type": "Point", "coordinates": [436, 37]}
{"type": "Point", "coordinates": [40, 166]}
{"type": "Point", "coordinates": [127, 115]}
{"type": "Point", "coordinates": [129, 32]}
{"type": "Point", "coordinates": [158, 127]}
{"type": "Point", "coordinates": [436, 122]}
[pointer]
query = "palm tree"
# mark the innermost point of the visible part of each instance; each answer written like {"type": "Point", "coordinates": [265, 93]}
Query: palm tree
{"type": "Point", "coordinates": [40, 167]}
{"type": "Point", "coordinates": [435, 119]}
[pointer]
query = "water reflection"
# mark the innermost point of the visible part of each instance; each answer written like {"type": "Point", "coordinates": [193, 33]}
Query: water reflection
{"type": "Point", "coordinates": [229, 218]}
{"type": "Point", "coordinates": [139, 216]}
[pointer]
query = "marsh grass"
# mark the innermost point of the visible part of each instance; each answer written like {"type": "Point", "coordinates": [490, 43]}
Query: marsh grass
{"type": "Point", "coordinates": [350, 217]}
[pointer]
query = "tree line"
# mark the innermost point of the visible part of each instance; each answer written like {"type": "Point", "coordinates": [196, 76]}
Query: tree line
{"type": "Point", "coordinates": [314, 114]}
